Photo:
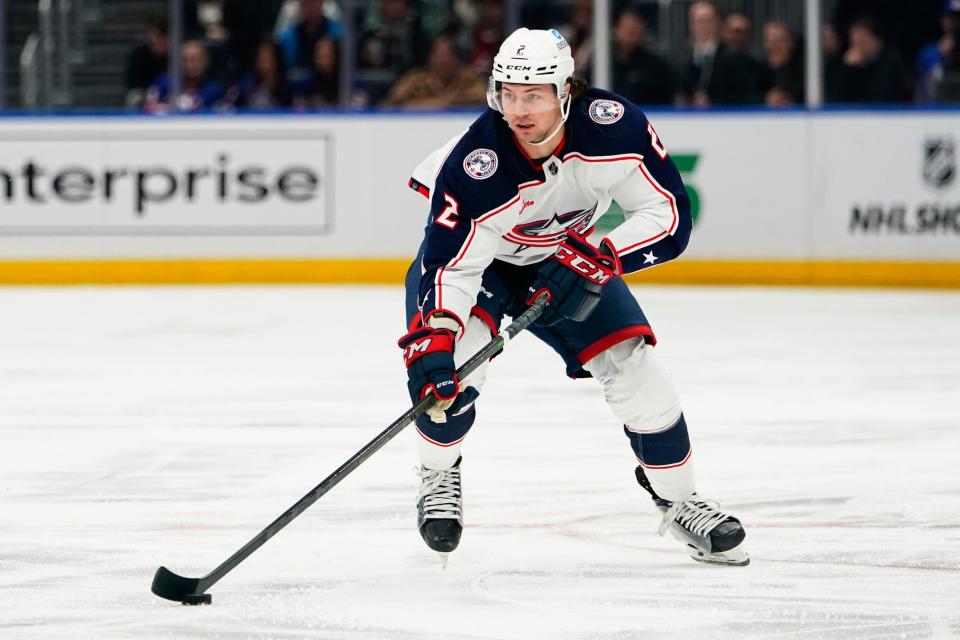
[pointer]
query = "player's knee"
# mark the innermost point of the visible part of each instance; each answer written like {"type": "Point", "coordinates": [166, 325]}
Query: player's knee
{"type": "Point", "coordinates": [636, 386]}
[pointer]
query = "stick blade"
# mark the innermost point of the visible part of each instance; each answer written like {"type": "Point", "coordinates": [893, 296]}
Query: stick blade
{"type": "Point", "coordinates": [170, 586]}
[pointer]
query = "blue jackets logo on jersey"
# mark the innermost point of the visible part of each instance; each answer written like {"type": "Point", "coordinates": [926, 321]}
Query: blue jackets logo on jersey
{"type": "Point", "coordinates": [480, 164]}
{"type": "Point", "coordinates": [531, 234]}
{"type": "Point", "coordinates": [605, 111]}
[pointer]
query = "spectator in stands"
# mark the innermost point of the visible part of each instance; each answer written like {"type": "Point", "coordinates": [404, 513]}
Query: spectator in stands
{"type": "Point", "coordinates": [785, 79]}
{"type": "Point", "coordinates": [391, 48]}
{"type": "Point", "coordinates": [907, 25]}
{"type": "Point", "coordinates": [288, 15]}
{"type": "Point", "coordinates": [299, 41]}
{"type": "Point", "coordinates": [578, 32]}
{"type": "Point", "coordinates": [940, 61]}
{"type": "Point", "coordinates": [639, 74]}
{"type": "Point", "coordinates": [714, 73]}
{"type": "Point", "coordinates": [198, 91]}
{"type": "Point", "coordinates": [832, 49]}
{"type": "Point", "coordinates": [445, 82]}
{"type": "Point", "coordinates": [324, 89]}
{"type": "Point", "coordinates": [738, 32]}
{"type": "Point", "coordinates": [247, 23]}
{"type": "Point", "coordinates": [266, 86]}
{"type": "Point", "coordinates": [486, 35]}
{"type": "Point", "coordinates": [148, 61]}
{"type": "Point", "coordinates": [870, 72]}
{"type": "Point", "coordinates": [542, 14]}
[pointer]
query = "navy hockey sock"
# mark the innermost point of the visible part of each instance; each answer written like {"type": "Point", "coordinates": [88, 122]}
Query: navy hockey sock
{"type": "Point", "coordinates": [661, 449]}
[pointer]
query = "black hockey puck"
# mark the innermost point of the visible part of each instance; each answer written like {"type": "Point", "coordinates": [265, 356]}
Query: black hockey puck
{"type": "Point", "coordinates": [197, 598]}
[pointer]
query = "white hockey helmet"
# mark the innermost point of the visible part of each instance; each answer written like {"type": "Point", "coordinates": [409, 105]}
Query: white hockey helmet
{"type": "Point", "coordinates": [532, 56]}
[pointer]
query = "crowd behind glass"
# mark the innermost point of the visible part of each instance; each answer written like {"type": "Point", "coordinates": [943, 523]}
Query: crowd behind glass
{"type": "Point", "coordinates": [263, 54]}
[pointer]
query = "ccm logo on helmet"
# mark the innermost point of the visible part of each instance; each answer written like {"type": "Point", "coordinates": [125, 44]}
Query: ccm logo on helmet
{"type": "Point", "coordinates": [518, 67]}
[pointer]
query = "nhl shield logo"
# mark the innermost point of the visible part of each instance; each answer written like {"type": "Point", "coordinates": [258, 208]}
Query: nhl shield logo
{"type": "Point", "coordinates": [480, 164]}
{"type": "Point", "coordinates": [605, 111]}
{"type": "Point", "coordinates": [939, 162]}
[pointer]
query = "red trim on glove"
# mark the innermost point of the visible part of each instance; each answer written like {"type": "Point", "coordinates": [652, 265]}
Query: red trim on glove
{"type": "Point", "coordinates": [446, 312]}
{"type": "Point", "coordinates": [618, 265]}
{"type": "Point", "coordinates": [432, 388]}
{"type": "Point", "coordinates": [421, 342]}
{"type": "Point", "coordinates": [536, 294]}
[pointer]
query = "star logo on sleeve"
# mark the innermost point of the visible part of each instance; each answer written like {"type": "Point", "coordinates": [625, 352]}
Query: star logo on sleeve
{"type": "Point", "coordinates": [649, 258]}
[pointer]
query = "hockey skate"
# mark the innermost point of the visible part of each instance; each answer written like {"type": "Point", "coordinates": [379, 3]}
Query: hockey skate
{"type": "Point", "coordinates": [440, 509]}
{"type": "Point", "coordinates": [709, 534]}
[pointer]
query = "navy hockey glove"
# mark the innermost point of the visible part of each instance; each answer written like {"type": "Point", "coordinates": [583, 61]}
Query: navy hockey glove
{"type": "Point", "coordinates": [574, 279]}
{"type": "Point", "coordinates": [428, 354]}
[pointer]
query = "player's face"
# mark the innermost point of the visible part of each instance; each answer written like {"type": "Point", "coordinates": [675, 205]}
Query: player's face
{"type": "Point", "coordinates": [532, 110]}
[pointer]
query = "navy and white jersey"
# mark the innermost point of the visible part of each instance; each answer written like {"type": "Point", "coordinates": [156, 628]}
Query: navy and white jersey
{"type": "Point", "coordinates": [489, 201]}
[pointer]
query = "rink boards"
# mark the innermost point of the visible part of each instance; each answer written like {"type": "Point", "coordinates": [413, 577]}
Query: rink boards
{"type": "Point", "coordinates": [832, 198]}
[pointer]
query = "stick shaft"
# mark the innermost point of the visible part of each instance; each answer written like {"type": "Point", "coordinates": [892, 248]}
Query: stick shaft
{"type": "Point", "coordinates": [491, 349]}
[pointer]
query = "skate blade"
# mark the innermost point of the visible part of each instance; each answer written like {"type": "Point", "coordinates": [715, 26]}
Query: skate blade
{"type": "Point", "coordinates": [444, 558]}
{"type": "Point", "coordinates": [732, 558]}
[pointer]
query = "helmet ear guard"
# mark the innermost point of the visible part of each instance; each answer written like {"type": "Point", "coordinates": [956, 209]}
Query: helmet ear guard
{"type": "Point", "coordinates": [493, 95]}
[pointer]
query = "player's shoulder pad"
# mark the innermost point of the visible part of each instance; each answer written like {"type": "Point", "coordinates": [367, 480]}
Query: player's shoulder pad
{"type": "Point", "coordinates": [604, 124]}
{"type": "Point", "coordinates": [479, 171]}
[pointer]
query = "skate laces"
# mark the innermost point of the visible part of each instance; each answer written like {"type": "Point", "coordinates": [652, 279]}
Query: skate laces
{"type": "Point", "coordinates": [440, 490]}
{"type": "Point", "coordinates": [695, 515]}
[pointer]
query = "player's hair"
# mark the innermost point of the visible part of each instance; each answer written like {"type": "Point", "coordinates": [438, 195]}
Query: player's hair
{"type": "Point", "coordinates": [578, 87]}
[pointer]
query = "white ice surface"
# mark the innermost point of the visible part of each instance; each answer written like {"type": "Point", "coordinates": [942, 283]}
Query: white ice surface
{"type": "Point", "coordinates": [141, 427]}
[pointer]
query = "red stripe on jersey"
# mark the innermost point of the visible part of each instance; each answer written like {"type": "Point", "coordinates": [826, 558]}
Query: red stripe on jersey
{"type": "Point", "coordinates": [419, 188]}
{"type": "Point", "coordinates": [438, 281]}
{"type": "Point", "coordinates": [601, 345]}
{"type": "Point", "coordinates": [457, 258]}
{"type": "Point", "coordinates": [510, 202]}
{"type": "Point", "coordinates": [629, 156]}
{"type": "Point", "coordinates": [673, 207]}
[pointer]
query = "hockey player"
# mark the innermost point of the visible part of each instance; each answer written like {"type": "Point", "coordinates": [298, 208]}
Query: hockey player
{"type": "Point", "coordinates": [513, 204]}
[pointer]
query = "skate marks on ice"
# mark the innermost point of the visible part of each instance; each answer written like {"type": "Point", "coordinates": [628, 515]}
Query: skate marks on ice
{"type": "Point", "coordinates": [124, 450]}
{"type": "Point", "coordinates": [782, 594]}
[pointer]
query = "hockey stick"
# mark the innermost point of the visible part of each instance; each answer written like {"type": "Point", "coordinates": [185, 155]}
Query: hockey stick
{"type": "Point", "coordinates": [171, 586]}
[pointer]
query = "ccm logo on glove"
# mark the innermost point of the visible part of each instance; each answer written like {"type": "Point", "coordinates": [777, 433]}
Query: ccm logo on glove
{"type": "Point", "coordinates": [574, 278]}
{"type": "Point", "coordinates": [428, 354]}
{"type": "Point", "coordinates": [598, 273]}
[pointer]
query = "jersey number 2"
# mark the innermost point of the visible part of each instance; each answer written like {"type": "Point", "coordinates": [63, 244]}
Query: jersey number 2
{"type": "Point", "coordinates": [655, 142]}
{"type": "Point", "coordinates": [448, 217]}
